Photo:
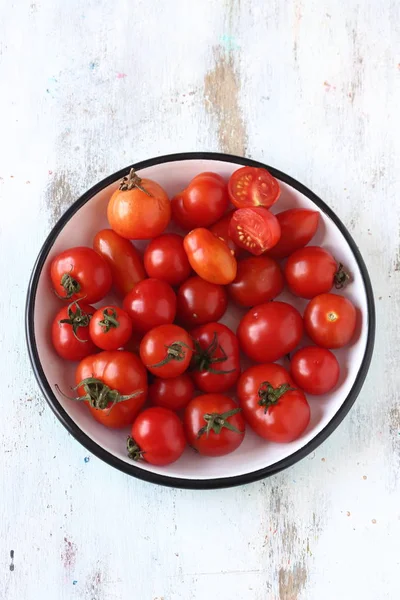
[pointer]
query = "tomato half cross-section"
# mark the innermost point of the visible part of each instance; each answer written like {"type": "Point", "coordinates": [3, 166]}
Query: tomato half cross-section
{"type": "Point", "coordinates": [254, 229]}
{"type": "Point", "coordinates": [253, 186]}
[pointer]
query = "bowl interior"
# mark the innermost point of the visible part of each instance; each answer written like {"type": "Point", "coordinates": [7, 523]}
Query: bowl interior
{"type": "Point", "coordinates": [254, 454]}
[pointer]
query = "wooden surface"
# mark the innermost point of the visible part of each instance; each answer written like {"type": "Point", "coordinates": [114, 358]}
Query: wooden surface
{"type": "Point", "coordinates": [311, 87]}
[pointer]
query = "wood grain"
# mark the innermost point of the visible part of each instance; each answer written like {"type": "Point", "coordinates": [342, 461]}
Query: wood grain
{"type": "Point", "coordinates": [312, 88]}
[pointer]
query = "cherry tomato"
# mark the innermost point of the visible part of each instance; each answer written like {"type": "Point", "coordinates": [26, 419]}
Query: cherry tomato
{"type": "Point", "coordinates": [80, 273]}
{"type": "Point", "coordinates": [139, 209]}
{"type": "Point", "coordinates": [205, 199]}
{"type": "Point", "coordinates": [298, 226]}
{"type": "Point", "coordinates": [165, 259]}
{"type": "Point", "coordinates": [70, 331]}
{"type": "Point", "coordinates": [259, 279]}
{"type": "Point", "coordinates": [214, 425]}
{"type": "Point", "coordinates": [174, 394]}
{"type": "Point", "coordinates": [149, 304]}
{"type": "Point", "coordinates": [110, 328]}
{"type": "Point", "coordinates": [254, 229]}
{"type": "Point", "coordinates": [221, 230]}
{"type": "Point", "coordinates": [122, 257]}
{"type": "Point", "coordinates": [200, 302]}
{"type": "Point", "coordinates": [330, 320]}
{"type": "Point", "coordinates": [166, 351]}
{"type": "Point", "coordinates": [113, 385]}
{"type": "Point", "coordinates": [271, 404]}
{"type": "Point", "coordinates": [157, 437]}
{"type": "Point", "coordinates": [313, 270]}
{"type": "Point", "coordinates": [180, 215]}
{"type": "Point", "coordinates": [210, 257]}
{"type": "Point", "coordinates": [216, 361]}
{"type": "Point", "coordinates": [315, 370]}
{"type": "Point", "coordinates": [253, 186]}
{"type": "Point", "coordinates": [269, 331]}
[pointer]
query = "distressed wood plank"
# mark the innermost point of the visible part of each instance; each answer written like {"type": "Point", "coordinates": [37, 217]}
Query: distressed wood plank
{"type": "Point", "coordinates": [312, 88]}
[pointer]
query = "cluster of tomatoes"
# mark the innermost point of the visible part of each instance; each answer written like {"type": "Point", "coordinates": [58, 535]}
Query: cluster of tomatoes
{"type": "Point", "coordinates": [163, 344]}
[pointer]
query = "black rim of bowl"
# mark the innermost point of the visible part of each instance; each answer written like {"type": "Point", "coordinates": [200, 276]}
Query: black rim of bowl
{"type": "Point", "coordinates": [132, 469]}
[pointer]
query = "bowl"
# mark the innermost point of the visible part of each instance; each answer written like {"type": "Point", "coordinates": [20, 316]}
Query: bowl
{"type": "Point", "coordinates": [255, 458]}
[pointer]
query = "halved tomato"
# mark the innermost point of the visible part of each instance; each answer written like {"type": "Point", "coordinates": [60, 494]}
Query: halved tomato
{"type": "Point", "coordinates": [254, 229]}
{"type": "Point", "coordinates": [252, 186]}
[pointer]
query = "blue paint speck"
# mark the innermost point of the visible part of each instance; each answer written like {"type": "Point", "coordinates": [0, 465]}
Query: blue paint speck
{"type": "Point", "coordinates": [74, 582]}
{"type": "Point", "coordinates": [86, 459]}
{"type": "Point", "coordinates": [93, 65]}
{"type": "Point", "coordinates": [229, 43]}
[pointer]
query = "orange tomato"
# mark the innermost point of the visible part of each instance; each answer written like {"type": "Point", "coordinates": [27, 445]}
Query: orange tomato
{"type": "Point", "coordinates": [210, 257]}
{"type": "Point", "coordinates": [139, 209]}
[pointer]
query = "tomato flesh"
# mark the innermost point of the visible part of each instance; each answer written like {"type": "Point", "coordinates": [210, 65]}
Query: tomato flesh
{"type": "Point", "coordinates": [254, 229]}
{"type": "Point", "coordinates": [253, 186]}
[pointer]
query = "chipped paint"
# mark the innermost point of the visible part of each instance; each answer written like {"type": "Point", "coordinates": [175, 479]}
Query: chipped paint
{"type": "Point", "coordinates": [68, 555]}
{"type": "Point", "coordinates": [59, 196]}
{"type": "Point", "coordinates": [221, 99]}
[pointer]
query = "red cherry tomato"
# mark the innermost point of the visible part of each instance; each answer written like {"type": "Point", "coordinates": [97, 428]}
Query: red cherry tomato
{"type": "Point", "coordinates": [139, 209]}
{"type": "Point", "coordinates": [330, 320]}
{"type": "Point", "coordinates": [214, 425]}
{"type": "Point", "coordinates": [200, 302]}
{"type": "Point", "coordinates": [269, 331]}
{"type": "Point", "coordinates": [298, 226]}
{"type": "Point", "coordinates": [253, 186]}
{"type": "Point", "coordinates": [221, 230]}
{"type": "Point", "coordinates": [216, 361]}
{"type": "Point", "coordinates": [70, 331]}
{"type": "Point", "coordinates": [254, 229]}
{"type": "Point", "coordinates": [180, 215]}
{"type": "Point", "coordinates": [113, 385]}
{"type": "Point", "coordinates": [210, 257]}
{"type": "Point", "coordinates": [174, 394]}
{"type": "Point", "coordinates": [259, 279]}
{"type": "Point", "coordinates": [205, 199]}
{"type": "Point", "coordinates": [166, 351]}
{"type": "Point", "coordinates": [315, 370]}
{"type": "Point", "coordinates": [157, 437]}
{"type": "Point", "coordinates": [313, 270]}
{"type": "Point", "coordinates": [165, 259]}
{"type": "Point", "coordinates": [80, 273]}
{"type": "Point", "coordinates": [122, 257]}
{"type": "Point", "coordinates": [149, 304]}
{"type": "Point", "coordinates": [110, 328]}
{"type": "Point", "coordinates": [271, 404]}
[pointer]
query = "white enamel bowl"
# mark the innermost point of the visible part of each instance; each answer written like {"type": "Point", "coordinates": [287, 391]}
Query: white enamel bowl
{"type": "Point", "coordinates": [255, 458]}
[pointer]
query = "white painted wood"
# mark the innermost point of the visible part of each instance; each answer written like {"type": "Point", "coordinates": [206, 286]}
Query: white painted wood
{"type": "Point", "coordinates": [310, 87]}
